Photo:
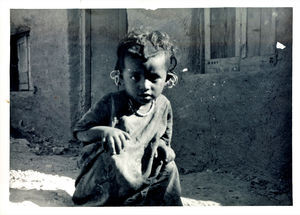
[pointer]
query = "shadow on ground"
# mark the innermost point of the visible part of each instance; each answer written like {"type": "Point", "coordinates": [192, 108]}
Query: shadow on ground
{"type": "Point", "coordinates": [48, 180]}
{"type": "Point", "coordinates": [223, 188]}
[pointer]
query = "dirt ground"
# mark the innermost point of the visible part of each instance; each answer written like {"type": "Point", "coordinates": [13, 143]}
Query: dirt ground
{"type": "Point", "coordinates": [42, 179]}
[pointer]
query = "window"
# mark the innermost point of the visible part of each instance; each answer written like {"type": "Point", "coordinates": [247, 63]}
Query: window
{"type": "Point", "coordinates": [239, 37]}
{"type": "Point", "coordinates": [20, 62]}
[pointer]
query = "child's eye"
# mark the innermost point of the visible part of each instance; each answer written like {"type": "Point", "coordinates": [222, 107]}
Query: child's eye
{"type": "Point", "coordinates": [153, 78]}
{"type": "Point", "coordinates": [135, 77]}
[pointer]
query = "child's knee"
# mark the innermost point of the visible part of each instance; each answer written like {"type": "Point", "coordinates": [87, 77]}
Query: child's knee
{"type": "Point", "coordinates": [171, 167]}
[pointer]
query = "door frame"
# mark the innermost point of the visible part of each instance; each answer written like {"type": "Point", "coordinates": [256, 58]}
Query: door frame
{"type": "Point", "coordinates": [85, 59]}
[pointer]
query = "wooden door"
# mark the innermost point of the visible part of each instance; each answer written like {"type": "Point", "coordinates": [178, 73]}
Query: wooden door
{"type": "Point", "coordinates": [107, 27]}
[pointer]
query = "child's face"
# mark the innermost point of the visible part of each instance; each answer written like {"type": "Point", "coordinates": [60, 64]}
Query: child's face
{"type": "Point", "coordinates": [144, 81]}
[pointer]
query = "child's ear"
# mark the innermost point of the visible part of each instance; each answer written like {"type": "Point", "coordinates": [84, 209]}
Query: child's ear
{"type": "Point", "coordinates": [171, 80]}
{"type": "Point", "coordinates": [116, 76]}
{"type": "Point", "coordinates": [173, 63]}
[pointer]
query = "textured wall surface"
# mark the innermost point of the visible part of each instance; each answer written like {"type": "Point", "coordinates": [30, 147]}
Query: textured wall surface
{"type": "Point", "coordinates": [48, 110]}
{"type": "Point", "coordinates": [239, 120]}
{"type": "Point", "coordinates": [76, 79]}
{"type": "Point", "coordinates": [233, 120]}
{"type": "Point", "coordinates": [175, 22]}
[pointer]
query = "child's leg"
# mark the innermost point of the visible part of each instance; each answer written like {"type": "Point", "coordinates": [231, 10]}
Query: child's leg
{"type": "Point", "coordinates": [166, 189]}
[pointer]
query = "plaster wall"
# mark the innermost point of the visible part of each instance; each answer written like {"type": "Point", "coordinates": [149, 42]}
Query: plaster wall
{"type": "Point", "coordinates": [233, 120]}
{"type": "Point", "coordinates": [48, 109]}
{"type": "Point", "coordinates": [236, 120]}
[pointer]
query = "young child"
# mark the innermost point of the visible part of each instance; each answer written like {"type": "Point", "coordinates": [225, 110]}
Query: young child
{"type": "Point", "coordinates": [127, 158]}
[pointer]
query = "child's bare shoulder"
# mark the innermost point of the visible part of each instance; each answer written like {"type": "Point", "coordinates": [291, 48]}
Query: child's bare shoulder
{"type": "Point", "coordinates": [112, 96]}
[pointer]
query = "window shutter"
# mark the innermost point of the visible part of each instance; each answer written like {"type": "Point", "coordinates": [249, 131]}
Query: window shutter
{"type": "Point", "coordinates": [23, 62]}
{"type": "Point", "coordinates": [236, 37]}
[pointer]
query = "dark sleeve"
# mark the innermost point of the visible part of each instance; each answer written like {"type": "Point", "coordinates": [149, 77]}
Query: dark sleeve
{"type": "Point", "coordinates": [167, 136]}
{"type": "Point", "coordinates": [98, 114]}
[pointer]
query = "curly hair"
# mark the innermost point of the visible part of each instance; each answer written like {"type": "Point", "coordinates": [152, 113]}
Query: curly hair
{"type": "Point", "coordinates": [146, 44]}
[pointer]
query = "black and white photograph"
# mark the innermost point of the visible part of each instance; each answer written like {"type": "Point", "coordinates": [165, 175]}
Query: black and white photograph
{"type": "Point", "coordinates": [182, 107]}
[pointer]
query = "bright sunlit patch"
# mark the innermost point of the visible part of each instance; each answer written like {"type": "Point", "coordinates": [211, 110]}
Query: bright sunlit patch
{"type": "Point", "coordinates": [280, 45]}
{"type": "Point", "coordinates": [195, 202]}
{"type": "Point", "coordinates": [30, 179]}
{"type": "Point", "coordinates": [22, 204]}
{"type": "Point", "coordinates": [185, 70]}
{"type": "Point", "coordinates": [151, 8]}
{"type": "Point", "coordinates": [34, 180]}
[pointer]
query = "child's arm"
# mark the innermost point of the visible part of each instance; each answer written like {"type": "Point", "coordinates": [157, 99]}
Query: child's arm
{"type": "Point", "coordinates": [164, 152]}
{"type": "Point", "coordinates": [92, 127]}
{"type": "Point", "coordinates": [113, 137]}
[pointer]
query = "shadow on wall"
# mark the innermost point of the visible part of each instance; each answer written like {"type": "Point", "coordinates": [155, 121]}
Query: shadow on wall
{"type": "Point", "coordinates": [234, 120]}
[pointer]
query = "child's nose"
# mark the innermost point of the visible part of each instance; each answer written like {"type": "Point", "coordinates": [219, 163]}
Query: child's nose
{"type": "Point", "coordinates": [145, 84]}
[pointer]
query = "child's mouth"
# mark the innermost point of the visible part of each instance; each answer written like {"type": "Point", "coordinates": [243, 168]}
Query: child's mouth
{"type": "Point", "coordinates": [145, 97]}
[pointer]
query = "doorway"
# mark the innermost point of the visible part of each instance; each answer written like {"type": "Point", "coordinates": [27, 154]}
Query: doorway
{"type": "Point", "coordinates": [102, 30]}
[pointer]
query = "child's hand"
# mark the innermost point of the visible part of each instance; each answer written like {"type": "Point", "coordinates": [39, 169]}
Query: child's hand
{"type": "Point", "coordinates": [165, 153]}
{"type": "Point", "coordinates": [114, 138]}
